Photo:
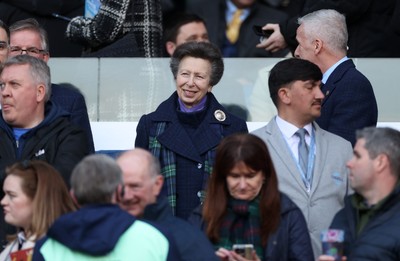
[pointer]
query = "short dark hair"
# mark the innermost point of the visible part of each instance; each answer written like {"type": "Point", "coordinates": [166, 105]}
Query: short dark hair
{"type": "Point", "coordinates": [202, 50]}
{"type": "Point", "coordinates": [5, 27]}
{"type": "Point", "coordinates": [288, 71]}
{"type": "Point", "coordinates": [175, 20]}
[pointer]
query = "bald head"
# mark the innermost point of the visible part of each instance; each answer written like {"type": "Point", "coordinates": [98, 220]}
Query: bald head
{"type": "Point", "coordinates": [142, 180]}
{"type": "Point", "coordinates": [141, 160]}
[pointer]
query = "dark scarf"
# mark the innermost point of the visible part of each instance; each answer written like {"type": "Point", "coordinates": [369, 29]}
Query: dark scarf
{"type": "Point", "coordinates": [241, 225]}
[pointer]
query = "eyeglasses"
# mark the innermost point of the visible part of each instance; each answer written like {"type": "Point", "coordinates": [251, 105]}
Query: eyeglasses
{"type": "Point", "coordinates": [33, 51]}
{"type": "Point", "coordinates": [3, 46]}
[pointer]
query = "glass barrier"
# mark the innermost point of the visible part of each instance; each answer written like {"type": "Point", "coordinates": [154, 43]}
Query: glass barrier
{"type": "Point", "coordinates": [123, 89]}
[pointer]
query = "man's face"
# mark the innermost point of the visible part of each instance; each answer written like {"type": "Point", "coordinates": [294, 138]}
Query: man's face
{"type": "Point", "coordinates": [361, 168]}
{"type": "Point", "coordinates": [4, 47]}
{"type": "Point", "coordinates": [195, 31]}
{"type": "Point", "coordinates": [304, 99]}
{"type": "Point", "coordinates": [305, 49]}
{"type": "Point", "coordinates": [141, 189]}
{"type": "Point", "coordinates": [27, 40]}
{"type": "Point", "coordinates": [192, 32]}
{"type": "Point", "coordinates": [243, 3]}
{"type": "Point", "coordinates": [20, 97]}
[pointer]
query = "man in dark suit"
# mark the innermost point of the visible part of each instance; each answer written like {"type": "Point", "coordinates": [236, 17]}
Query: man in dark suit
{"type": "Point", "coordinates": [219, 13]}
{"type": "Point", "coordinates": [28, 37]}
{"type": "Point", "coordinates": [349, 102]}
{"type": "Point", "coordinates": [367, 23]}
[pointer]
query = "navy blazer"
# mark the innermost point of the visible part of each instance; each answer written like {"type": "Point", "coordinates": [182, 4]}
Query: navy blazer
{"type": "Point", "coordinates": [349, 102]}
{"type": "Point", "coordinates": [71, 100]}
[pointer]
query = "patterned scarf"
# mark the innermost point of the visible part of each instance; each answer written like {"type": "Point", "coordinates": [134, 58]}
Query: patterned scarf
{"type": "Point", "coordinates": [168, 166]}
{"type": "Point", "coordinates": [241, 225]}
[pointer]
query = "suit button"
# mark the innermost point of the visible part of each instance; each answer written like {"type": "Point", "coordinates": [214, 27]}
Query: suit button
{"type": "Point", "coordinates": [199, 165]}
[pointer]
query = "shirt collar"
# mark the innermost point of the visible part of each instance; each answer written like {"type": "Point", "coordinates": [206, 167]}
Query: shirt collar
{"type": "Point", "coordinates": [288, 129]}
{"type": "Point", "coordinates": [231, 9]}
{"type": "Point", "coordinates": [332, 68]}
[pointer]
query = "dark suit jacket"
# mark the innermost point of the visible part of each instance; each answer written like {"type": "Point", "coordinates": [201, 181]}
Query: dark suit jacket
{"type": "Point", "coordinates": [71, 100]}
{"type": "Point", "coordinates": [367, 22]}
{"type": "Point", "coordinates": [213, 12]}
{"type": "Point", "coordinates": [349, 102]}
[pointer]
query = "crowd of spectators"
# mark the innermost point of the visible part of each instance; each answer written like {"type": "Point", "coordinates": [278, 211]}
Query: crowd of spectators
{"type": "Point", "coordinates": [197, 183]}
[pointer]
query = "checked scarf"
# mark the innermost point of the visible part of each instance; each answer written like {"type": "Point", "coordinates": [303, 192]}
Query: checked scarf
{"type": "Point", "coordinates": [241, 225]}
{"type": "Point", "coordinates": [168, 166]}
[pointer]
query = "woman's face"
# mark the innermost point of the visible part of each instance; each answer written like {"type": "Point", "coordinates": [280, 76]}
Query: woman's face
{"type": "Point", "coordinates": [243, 182]}
{"type": "Point", "coordinates": [193, 80]}
{"type": "Point", "coordinates": [17, 206]}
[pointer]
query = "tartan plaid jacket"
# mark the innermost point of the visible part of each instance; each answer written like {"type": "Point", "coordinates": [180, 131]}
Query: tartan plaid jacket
{"type": "Point", "coordinates": [115, 19]}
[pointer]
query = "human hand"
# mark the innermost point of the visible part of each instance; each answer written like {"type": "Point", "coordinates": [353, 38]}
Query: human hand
{"type": "Point", "coordinates": [329, 258]}
{"type": "Point", "coordinates": [275, 42]}
{"type": "Point", "coordinates": [228, 255]}
{"type": "Point", "coordinates": [237, 257]}
{"type": "Point", "coordinates": [223, 254]}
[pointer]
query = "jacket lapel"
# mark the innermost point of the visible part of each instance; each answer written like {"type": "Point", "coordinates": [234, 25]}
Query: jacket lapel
{"type": "Point", "coordinates": [321, 145]}
{"type": "Point", "coordinates": [277, 143]}
{"type": "Point", "coordinates": [330, 85]}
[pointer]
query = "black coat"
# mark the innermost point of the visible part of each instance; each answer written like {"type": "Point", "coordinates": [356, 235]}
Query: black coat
{"type": "Point", "coordinates": [291, 241]}
{"type": "Point", "coordinates": [380, 238]}
{"type": "Point", "coordinates": [192, 244]}
{"type": "Point", "coordinates": [55, 140]}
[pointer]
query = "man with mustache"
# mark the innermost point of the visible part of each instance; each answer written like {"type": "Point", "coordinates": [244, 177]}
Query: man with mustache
{"type": "Point", "coordinates": [310, 162]}
{"type": "Point", "coordinates": [349, 102]}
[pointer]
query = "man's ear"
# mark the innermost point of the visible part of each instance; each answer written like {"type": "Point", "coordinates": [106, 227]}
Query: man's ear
{"type": "Point", "coordinates": [170, 47]}
{"type": "Point", "coordinates": [284, 95]}
{"type": "Point", "coordinates": [40, 92]}
{"type": "Point", "coordinates": [381, 162]}
{"type": "Point", "coordinates": [120, 193]}
{"type": "Point", "coordinates": [319, 44]}
{"type": "Point", "coordinates": [72, 194]}
{"type": "Point", "coordinates": [46, 57]}
{"type": "Point", "coordinates": [158, 183]}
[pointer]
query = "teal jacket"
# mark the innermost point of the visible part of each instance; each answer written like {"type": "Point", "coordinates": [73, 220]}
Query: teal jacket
{"type": "Point", "coordinates": [103, 232]}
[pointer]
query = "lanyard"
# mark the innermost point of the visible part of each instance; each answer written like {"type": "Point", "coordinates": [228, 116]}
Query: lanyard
{"type": "Point", "coordinates": [306, 177]}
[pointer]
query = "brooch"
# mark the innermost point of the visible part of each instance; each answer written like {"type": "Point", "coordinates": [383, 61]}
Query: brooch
{"type": "Point", "coordinates": [219, 115]}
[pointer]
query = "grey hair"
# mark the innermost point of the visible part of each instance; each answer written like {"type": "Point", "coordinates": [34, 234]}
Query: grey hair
{"type": "Point", "coordinates": [202, 50]}
{"type": "Point", "coordinates": [39, 70]}
{"type": "Point", "coordinates": [95, 179]}
{"type": "Point", "coordinates": [328, 25]}
{"type": "Point", "coordinates": [32, 24]}
{"type": "Point", "coordinates": [382, 141]}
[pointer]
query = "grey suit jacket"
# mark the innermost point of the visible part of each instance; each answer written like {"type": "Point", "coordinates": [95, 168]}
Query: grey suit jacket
{"type": "Point", "coordinates": [330, 176]}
